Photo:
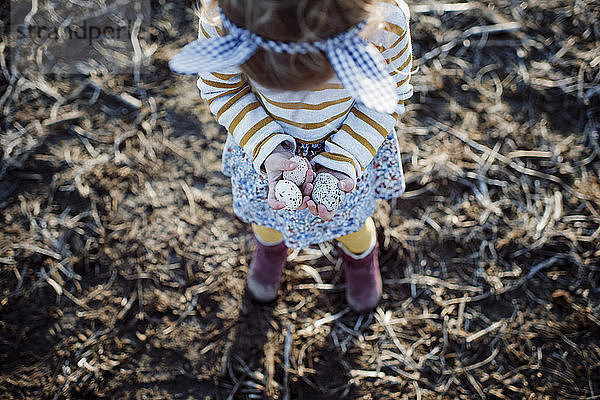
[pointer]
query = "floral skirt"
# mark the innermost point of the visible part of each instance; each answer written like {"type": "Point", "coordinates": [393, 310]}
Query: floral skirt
{"type": "Point", "coordinates": [382, 179]}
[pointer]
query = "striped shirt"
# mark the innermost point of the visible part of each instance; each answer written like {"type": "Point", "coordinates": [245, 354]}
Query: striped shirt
{"type": "Point", "coordinates": [260, 118]}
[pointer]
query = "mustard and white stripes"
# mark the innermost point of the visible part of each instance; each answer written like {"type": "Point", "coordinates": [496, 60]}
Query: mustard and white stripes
{"type": "Point", "coordinates": [261, 118]}
{"type": "Point", "coordinates": [231, 99]}
{"type": "Point", "coordinates": [358, 139]}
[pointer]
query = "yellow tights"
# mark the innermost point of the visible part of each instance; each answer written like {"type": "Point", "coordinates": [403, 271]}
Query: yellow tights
{"type": "Point", "coordinates": [357, 242]}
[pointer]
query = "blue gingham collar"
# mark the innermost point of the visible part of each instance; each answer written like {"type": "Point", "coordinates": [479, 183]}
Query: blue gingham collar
{"type": "Point", "coordinates": [360, 66]}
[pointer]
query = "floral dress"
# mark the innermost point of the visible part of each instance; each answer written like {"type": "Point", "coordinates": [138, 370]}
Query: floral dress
{"type": "Point", "coordinates": [382, 179]}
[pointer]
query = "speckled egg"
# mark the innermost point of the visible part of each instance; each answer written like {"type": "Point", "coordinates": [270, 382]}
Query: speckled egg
{"type": "Point", "coordinates": [289, 193]}
{"type": "Point", "coordinates": [298, 174]}
{"type": "Point", "coordinates": [327, 192]}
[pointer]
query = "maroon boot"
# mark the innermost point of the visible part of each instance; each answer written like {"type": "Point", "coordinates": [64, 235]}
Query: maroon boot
{"type": "Point", "coordinates": [363, 280]}
{"type": "Point", "coordinates": [265, 272]}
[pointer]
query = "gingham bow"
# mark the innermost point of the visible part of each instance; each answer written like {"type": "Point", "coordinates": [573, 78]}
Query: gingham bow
{"type": "Point", "coordinates": [359, 66]}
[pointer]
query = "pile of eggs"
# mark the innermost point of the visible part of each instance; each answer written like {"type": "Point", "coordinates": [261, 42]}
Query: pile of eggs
{"type": "Point", "coordinates": [325, 187]}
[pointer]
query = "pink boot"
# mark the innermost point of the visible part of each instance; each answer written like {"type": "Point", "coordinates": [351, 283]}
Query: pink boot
{"type": "Point", "coordinates": [265, 272]}
{"type": "Point", "coordinates": [363, 280]}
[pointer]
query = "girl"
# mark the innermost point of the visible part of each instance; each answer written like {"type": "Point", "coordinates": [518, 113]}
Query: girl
{"type": "Point", "coordinates": [323, 79]}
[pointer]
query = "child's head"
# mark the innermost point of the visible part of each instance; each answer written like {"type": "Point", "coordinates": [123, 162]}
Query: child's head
{"type": "Point", "coordinates": [293, 21]}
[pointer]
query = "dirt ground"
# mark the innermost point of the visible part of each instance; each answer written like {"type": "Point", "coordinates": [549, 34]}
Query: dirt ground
{"type": "Point", "coordinates": [122, 264]}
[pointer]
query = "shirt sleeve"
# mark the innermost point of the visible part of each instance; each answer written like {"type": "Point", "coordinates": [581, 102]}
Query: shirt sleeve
{"type": "Point", "coordinates": [353, 146]}
{"type": "Point", "coordinates": [231, 99]}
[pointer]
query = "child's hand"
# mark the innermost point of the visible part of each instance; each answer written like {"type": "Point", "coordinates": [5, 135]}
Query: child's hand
{"type": "Point", "coordinates": [345, 183]}
{"type": "Point", "coordinates": [277, 162]}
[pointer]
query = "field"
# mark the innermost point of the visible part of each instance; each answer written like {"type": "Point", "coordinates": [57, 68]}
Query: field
{"type": "Point", "coordinates": [122, 264]}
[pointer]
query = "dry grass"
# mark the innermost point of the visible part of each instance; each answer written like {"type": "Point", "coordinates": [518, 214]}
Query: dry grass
{"type": "Point", "coordinates": [123, 266]}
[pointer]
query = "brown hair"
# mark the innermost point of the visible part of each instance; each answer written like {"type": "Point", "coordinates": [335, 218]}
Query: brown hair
{"type": "Point", "coordinates": [293, 21]}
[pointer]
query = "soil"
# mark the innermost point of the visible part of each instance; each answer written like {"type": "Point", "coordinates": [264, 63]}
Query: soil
{"type": "Point", "coordinates": [123, 265]}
